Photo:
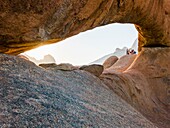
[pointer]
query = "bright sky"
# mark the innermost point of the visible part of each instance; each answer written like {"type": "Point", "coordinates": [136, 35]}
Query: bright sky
{"type": "Point", "coordinates": [88, 46]}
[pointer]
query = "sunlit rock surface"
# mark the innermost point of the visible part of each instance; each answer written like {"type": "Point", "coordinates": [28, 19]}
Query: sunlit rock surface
{"type": "Point", "coordinates": [25, 25]}
{"type": "Point", "coordinates": [62, 66]}
{"type": "Point", "coordinates": [94, 69]}
{"type": "Point", "coordinates": [110, 61]}
{"type": "Point", "coordinates": [29, 92]}
{"type": "Point", "coordinates": [122, 64]}
{"type": "Point", "coordinates": [31, 96]}
{"type": "Point", "coordinates": [145, 84]}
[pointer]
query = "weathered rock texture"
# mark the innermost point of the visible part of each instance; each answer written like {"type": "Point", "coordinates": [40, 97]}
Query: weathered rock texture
{"type": "Point", "coordinates": [28, 24]}
{"type": "Point", "coordinates": [54, 67]}
{"type": "Point", "coordinates": [31, 96]}
{"type": "Point", "coordinates": [122, 64]}
{"type": "Point", "coordinates": [94, 69]}
{"type": "Point", "coordinates": [145, 84]}
{"type": "Point", "coordinates": [110, 61]}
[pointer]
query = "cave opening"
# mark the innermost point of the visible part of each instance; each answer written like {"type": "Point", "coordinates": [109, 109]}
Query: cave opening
{"type": "Point", "coordinates": [88, 47]}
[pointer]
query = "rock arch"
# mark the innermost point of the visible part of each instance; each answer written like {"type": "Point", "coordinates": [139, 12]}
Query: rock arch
{"type": "Point", "coordinates": [29, 24]}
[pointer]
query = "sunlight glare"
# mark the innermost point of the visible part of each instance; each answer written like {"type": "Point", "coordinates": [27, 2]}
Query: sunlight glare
{"type": "Point", "coordinates": [90, 45]}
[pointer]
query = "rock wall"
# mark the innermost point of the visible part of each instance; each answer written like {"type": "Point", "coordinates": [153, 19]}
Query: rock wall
{"type": "Point", "coordinates": [145, 84]}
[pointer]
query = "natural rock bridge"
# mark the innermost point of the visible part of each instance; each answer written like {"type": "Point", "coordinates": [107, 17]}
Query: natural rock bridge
{"type": "Point", "coordinates": [29, 24]}
{"type": "Point", "coordinates": [25, 25]}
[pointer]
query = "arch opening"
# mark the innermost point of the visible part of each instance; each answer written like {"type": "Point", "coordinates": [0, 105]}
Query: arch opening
{"type": "Point", "coordinates": [87, 47]}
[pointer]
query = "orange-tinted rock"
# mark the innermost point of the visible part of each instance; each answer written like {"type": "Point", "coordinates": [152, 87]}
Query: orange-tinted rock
{"type": "Point", "coordinates": [122, 64]}
{"type": "Point", "coordinates": [28, 24]}
{"type": "Point", "coordinates": [24, 57]}
{"type": "Point", "coordinates": [94, 69]}
{"type": "Point", "coordinates": [25, 25]}
{"type": "Point", "coordinates": [110, 61]}
{"type": "Point", "coordinates": [145, 84]}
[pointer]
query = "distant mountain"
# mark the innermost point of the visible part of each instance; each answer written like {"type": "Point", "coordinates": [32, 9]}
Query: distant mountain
{"type": "Point", "coordinates": [47, 59]}
{"type": "Point", "coordinates": [118, 52]}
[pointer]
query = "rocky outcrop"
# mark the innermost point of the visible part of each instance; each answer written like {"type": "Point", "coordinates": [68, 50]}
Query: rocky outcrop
{"type": "Point", "coordinates": [122, 64]}
{"type": "Point", "coordinates": [31, 96]}
{"type": "Point", "coordinates": [110, 61]}
{"type": "Point", "coordinates": [145, 84]}
{"type": "Point", "coordinates": [94, 69]}
{"type": "Point", "coordinates": [25, 25]}
{"type": "Point", "coordinates": [55, 67]}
